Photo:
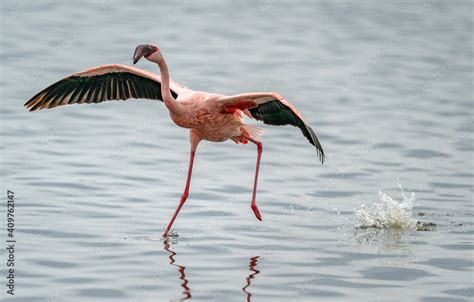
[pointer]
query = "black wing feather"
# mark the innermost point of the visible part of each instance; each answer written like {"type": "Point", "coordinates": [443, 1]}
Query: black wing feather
{"type": "Point", "coordinates": [123, 88]}
{"type": "Point", "coordinates": [75, 95]}
{"type": "Point", "coordinates": [132, 89]}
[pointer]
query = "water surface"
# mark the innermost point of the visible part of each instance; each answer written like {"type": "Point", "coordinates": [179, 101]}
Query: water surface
{"type": "Point", "coordinates": [387, 86]}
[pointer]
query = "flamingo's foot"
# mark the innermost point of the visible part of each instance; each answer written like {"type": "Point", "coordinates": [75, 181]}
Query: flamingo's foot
{"type": "Point", "coordinates": [256, 211]}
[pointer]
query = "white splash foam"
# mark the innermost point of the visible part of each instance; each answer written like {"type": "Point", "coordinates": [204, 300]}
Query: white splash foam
{"type": "Point", "coordinates": [388, 213]}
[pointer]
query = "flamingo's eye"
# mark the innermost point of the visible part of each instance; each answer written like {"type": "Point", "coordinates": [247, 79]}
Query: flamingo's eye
{"type": "Point", "coordinates": [155, 49]}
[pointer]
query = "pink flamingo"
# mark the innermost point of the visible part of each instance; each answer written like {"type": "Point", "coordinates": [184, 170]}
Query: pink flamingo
{"type": "Point", "coordinates": [209, 116]}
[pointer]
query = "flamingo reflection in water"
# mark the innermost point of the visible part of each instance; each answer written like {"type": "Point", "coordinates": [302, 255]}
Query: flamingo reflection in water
{"type": "Point", "coordinates": [185, 283]}
{"type": "Point", "coordinates": [254, 272]}
{"type": "Point", "coordinates": [181, 270]}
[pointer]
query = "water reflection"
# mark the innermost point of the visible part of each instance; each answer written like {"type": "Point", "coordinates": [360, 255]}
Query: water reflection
{"type": "Point", "coordinates": [387, 241]}
{"type": "Point", "coordinates": [253, 273]}
{"type": "Point", "coordinates": [389, 238]}
{"type": "Point", "coordinates": [182, 272]}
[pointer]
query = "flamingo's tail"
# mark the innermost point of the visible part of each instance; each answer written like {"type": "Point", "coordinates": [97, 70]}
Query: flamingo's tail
{"type": "Point", "coordinates": [254, 132]}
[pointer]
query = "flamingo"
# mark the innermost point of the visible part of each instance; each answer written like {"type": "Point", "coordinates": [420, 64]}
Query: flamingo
{"type": "Point", "coordinates": [208, 116]}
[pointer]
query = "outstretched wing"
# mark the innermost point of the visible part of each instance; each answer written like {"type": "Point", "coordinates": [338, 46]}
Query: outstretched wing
{"type": "Point", "coordinates": [271, 109]}
{"type": "Point", "coordinates": [104, 83]}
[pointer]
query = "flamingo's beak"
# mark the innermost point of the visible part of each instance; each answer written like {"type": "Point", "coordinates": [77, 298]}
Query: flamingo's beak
{"type": "Point", "coordinates": [142, 51]}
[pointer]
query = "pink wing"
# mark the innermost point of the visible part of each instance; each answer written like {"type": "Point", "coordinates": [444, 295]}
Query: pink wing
{"type": "Point", "coordinates": [271, 109]}
{"type": "Point", "coordinates": [104, 83]}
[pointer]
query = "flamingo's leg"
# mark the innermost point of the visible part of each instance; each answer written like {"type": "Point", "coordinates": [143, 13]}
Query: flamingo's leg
{"type": "Point", "coordinates": [259, 155]}
{"type": "Point", "coordinates": [186, 189]}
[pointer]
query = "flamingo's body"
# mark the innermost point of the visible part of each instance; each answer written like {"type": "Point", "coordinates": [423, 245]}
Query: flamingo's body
{"type": "Point", "coordinates": [209, 116]}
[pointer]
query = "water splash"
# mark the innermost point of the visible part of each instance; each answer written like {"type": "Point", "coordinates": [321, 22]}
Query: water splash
{"type": "Point", "coordinates": [388, 213]}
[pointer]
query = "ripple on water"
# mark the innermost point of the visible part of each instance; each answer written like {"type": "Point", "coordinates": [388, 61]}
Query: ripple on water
{"type": "Point", "coordinates": [459, 247]}
{"type": "Point", "coordinates": [450, 264]}
{"type": "Point", "coordinates": [101, 293]}
{"type": "Point", "coordinates": [463, 292]}
{"type": "Point", "coordinates": [395, 273]}
{"type": "Point", "coordinates": [55, 264]}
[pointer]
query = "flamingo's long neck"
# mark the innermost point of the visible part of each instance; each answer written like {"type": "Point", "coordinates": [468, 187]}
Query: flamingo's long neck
{"type": "Point", "coordinates": [169, 100]}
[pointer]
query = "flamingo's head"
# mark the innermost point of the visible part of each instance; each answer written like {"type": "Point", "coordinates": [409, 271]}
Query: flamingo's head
{"type": "Point", "coordinates": [150, 52]}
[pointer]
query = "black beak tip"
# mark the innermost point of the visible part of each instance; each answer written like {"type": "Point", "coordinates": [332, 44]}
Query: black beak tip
{"type": "Point", "coordinates": [142, 51]}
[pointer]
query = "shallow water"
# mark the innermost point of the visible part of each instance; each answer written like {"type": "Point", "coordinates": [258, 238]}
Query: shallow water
{"type": "Point", "coordinates": [386, 86]}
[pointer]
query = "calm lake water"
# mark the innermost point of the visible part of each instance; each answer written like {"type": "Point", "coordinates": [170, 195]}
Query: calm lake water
{"type": "Point", "coordinates": [386, 85]}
